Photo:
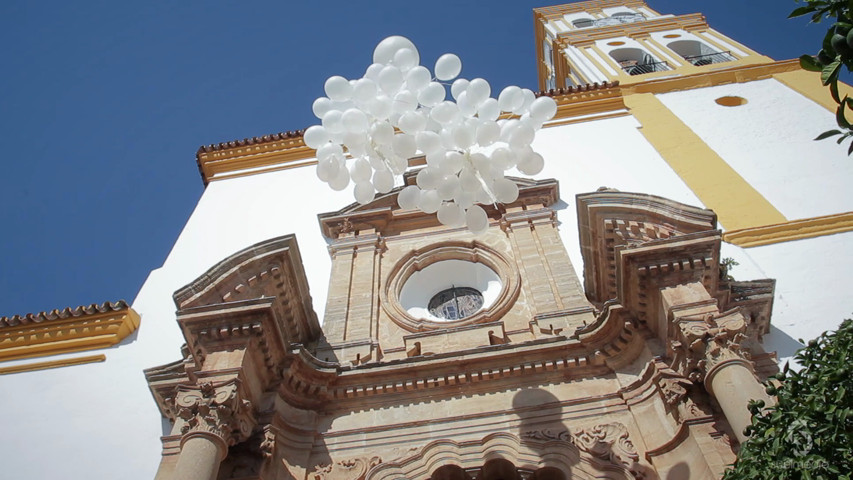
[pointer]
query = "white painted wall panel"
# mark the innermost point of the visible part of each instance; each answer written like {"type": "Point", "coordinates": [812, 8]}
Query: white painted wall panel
{"type": "Point", "coordinates": [769, 142]}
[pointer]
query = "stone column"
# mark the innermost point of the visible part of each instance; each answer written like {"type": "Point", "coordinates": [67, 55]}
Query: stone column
{"type": "Point", "coordinates": [201, 454]}
{"type": "Point", "coordinates": [733, 384]}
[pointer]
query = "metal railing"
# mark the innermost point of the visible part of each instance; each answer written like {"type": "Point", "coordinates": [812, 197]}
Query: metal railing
{"type": "Point", "coordinates": [709, 58]}
{"type": "Point", "coordinates": [635, 68]}
{"type": "Point", "coordinates": [619, 19]}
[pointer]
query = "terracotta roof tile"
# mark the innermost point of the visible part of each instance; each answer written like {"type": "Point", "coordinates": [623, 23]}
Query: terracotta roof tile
{"type": "Point", "coordinates": [67, 312]}
{"type": "Point", "coordinates": [250, 141]}
{"type": "Point", "coordinates": [578, 88]}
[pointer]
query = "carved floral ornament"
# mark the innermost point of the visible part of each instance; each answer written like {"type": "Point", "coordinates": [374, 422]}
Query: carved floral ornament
{"type": "Point", "coordinates": [215, 408]}
{"type": "Point", "coordinates": [706, 341]}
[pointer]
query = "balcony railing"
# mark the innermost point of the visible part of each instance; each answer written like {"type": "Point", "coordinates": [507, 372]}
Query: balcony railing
{"type": "Point", "coordinates": [635, 68]}
{"type": "Point", "coordinates": [709, 58]}
{"type": "Point", "coordinates": [619, 19]}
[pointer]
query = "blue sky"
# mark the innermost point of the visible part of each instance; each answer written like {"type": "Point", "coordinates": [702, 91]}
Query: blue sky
{"type": "Point", "coordinates": [104, 105]}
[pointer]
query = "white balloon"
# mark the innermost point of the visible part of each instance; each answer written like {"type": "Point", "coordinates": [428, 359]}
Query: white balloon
{"type": "Point", "coordinates": [464, 199]}
{"type": "Point", "coordinates": [405, 59]}
{"type": "Point", "coordinates": [451, 215]}
{"type": "Point", "coordinates": [452, 163]}
{"type": "Point", "coordinates": [432, 94]}
{"type": "Point", "coordinates": [478, 91]}
{"type": "Point", "coordinates": [476, 219]}
{"type": "Point", "coordinates": [329, 149]}
{"type": "Point", "coordinates": [464, 135]}
{"type": "Point", "coordinates": [481, 163]}
{"type": "Point", "coordinates": [429, 201]}
{"type": "Point", "coordinates": [466, 106]}
{"type": "Point", "coordinates": [488, 133]}
{"type": "Point", "coordinates": [382, 133]}
{"type": "Point", "coordinates": [531, 164]}
{"type": "Point", "coordinates": [527, 98]}
{"type": "Point", "coordinates": [356, 143]}
{"type": "Point", "coordinates": [459, 86]}
{"type": "Point", "coordinates": [388, 47]}
{"type": "Point", "coordinates": [340, 181]}
{"type": "Point", "coordinates": [427, 142]}
{"type": "Point", "coordinates": [327, 169]}
{"type": "Point", "coordinates": [543, 109]}
{"type": "Point", "coordinates": [390, 79]}
{"type": "Point", "coordinates": [363, 192]}
{"type": "Point", "coordinates": [510, 99]}
{"type": "Point", "coordinates": [373, 71]}
{"type": "Point", "coordinates": [404, 101]}
{"type": "Point", "coordinates": [521, 136]}
{"type": "Point", "coordinates": [404, 145]}
{"type": "Point", "coordinates": [364, 90]}
{"type": "Point", "coordinates": [321, 106]}
{"type": "Point", "coordinates": [507, 128]}
{"type": "Point", "coordinates": [360, 170]}
{"type": "Point", "coordinates": [447, 67]}
{"type": "Point", "coordinates": [503, 158]}
{"type": "Point", "coordinates": [383, 180]}
{"type": "Point", "coordinates": [448, 187]}
{"type": "Point", "coordinates": [380, 107]}
{"type": "Point", "coordinates": [468, 182]}
{"type": "Point", "coordinates": [332, 121]}
{"type": "Point", "coordinates": [489, 110]}
{"type": "Point", "coordinates": [505, 190]}
{"type": "Point", "coordinates": [428, 178]}
{"type": "Point", "coordinates": [417, 78]}
{"type": "Point", "coordinates": [444, 112]}
{"type": "Point", "coordinates": [354, 120]}
{"type": "Point", "coordinates": [315, 136]}
{"type": "Point", "coordinates": [338, 88]}
{"type": "Point", "coordinates": [409, 197]}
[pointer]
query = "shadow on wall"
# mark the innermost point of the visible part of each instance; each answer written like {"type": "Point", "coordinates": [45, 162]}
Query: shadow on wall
{"type": "Point", "coordinates": [679, 472]}
{"type": "Point", "coordinates": [783, 344]}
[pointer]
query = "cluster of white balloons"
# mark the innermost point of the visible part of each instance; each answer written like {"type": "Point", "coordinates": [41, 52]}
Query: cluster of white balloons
{"type": "Point", "coordinates": [398, 109]}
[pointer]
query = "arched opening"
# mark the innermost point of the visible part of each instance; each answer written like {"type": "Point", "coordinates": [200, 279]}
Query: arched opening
{"type": "Point", "coordinates": [548, 473]}
{"type": "Point", "coordinates": [583, 22]}
{"type": "Point", "coordinates": [698, 53]}
{"type": "Point", "coordinates": [636, 61]}
{"type": "Point", "coordinates": [628, 17]}
{"type": "Point", "coordinates": [498, 469]}
{"type": "Point", "coordinates": [450, 472]}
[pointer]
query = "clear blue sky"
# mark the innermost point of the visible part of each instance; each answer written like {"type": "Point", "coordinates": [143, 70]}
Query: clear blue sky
{"type": "Point", "coordinates": [104, 104]}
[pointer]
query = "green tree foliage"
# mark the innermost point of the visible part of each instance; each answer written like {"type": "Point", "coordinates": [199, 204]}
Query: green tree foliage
{"type": "Point", "coordinates": [808, 434]}
{"type": "Point", "coordinates": [836, 51]}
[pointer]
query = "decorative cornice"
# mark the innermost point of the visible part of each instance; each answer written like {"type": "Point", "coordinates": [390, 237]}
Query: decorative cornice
{"type": "Point", "coordinates": [66, 331]}
{"type": "Point", "coordinates": [64, 362]}
{"type": "Point", "coordinates": [791, 230]}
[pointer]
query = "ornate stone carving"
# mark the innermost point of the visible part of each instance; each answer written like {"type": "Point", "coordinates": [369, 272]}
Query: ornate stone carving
{"type": "Point", "coordinates": [268, 443]}
{"type": "Point", "coordinates": [674, 389]}
{"type": "Point", "coordinates": [608, 441]}
{"type": "Point", "coordinates": [704, 341]}
{"type": "Point", "coordinates": [215, 408]}
{"type": "Point", "coordinates": [547, 435]}
{"type": "Point", "coordinates": [350, 469]}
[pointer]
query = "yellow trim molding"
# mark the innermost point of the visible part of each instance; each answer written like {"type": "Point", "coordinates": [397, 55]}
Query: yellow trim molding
{"type": "Point", "coordinates": [792, 230]}
{"type": "Point", "coordinates": [65, 362]}
{"type": "Point", "coordinates": [719, 187]}
{"type": "Point", "coordinates": [87, 331]}
{"type": "Point", "coordinates": [253, 158]}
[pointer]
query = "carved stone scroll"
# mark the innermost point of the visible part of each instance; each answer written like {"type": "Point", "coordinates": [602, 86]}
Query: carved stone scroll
{"type": "Point", "coordinates": [215, 408]}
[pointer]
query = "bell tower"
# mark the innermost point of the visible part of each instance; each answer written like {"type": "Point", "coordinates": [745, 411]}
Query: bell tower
{"type": "Point", "coordinates": [626, 41]}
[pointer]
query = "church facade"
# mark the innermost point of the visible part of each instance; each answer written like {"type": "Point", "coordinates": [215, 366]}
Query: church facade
{"type": "Point", "coordinates": [613, 322]}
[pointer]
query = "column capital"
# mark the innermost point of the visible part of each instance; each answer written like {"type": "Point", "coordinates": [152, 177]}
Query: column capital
{"type": "Point", "coordinates": [706, 342]}
{"type": "Point", "coordinates": [215, 409]}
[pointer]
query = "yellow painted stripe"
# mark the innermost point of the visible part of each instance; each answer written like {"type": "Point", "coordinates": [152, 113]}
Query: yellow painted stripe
{"type": "Point", "coordinates": [737, 204]}
{"type": "Point", "coordinates": [793, 230]}
{"type": "Point", "coordinates": [66, 362]}
{"type": "Point", "coordinates": [809, 85]}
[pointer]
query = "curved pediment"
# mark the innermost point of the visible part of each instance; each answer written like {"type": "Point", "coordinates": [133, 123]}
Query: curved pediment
{"type": "Point", "coordinates": [610, 220]}
{"type": "Point", "coordinates": [269, 269]}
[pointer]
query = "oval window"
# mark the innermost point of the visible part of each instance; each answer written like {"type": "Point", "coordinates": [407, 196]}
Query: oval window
{"type": "Point", "coordinates": [456, 303]}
